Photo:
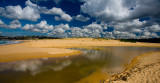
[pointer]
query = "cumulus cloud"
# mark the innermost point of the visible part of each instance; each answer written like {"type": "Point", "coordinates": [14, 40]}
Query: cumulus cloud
{"type": "Point", "coordinates": [82, 18]}
{"type": "Point", "coordinates": [123, 35]}
{"type": "Point", "coordinates": [31, 12]}
{"type": "Point", "coordinates": [42, 27]}
{"type": "Point", "coordinates": [131, 29]}
{"type": "Point", "coordinates": [134, 29]}
{"type": "Point", "coordinates": [91, 30]}
{"type": "Point", "coordinates": [93, 26]}
{"type": "Point", "coordinates": [60, 30]}
{"type": "Point", "coordinates": [120, 10]}
{"type": "Point", "coordinates": [13, 25]}
{"type": "Point", "coordinates": [66, 17]}
{"type": "Point", "coordinates": [147, 34]}
{"type": "Point", "coordinates": [154, 28]}
{"type": "Point", "coordinates": [54, 11]}
{"type": "Point", "coordinates": [58, 11]}
{"type": "Point", "coordinates": [124, 15]}
{"type": "Point", "coordinates": [130, 26]}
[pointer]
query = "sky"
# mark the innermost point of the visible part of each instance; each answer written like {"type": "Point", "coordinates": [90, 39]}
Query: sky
{"type": "Point", "coordinates": [115, 19]}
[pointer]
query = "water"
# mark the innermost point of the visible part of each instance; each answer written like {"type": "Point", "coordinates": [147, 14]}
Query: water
{"type": "Point", "coordinates": [5, 42]}
{"type": "Point", "coordinates": [92, 66]}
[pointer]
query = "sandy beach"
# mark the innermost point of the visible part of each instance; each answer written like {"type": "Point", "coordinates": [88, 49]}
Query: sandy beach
{"type": "Point", "coordinates": [142, 67]}
{"type": "Point", "coordinates": [57, 47]}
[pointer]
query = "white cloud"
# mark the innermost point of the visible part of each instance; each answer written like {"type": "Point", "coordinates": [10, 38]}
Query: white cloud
{"type": "Point", "coordinates": [60, 30]}
{"type": "Point", "coordinates": [57, 11]}
{"type": "Point", "coordinates": [93, 26]}
{"type": "Point", "coordinates": [66, 17]}
{"type": "Point", "coordinates": [42, 27]}
{"type": "Point", "coordinates": [82, 18]}
{"type": "Point", "coordinates": [147, 34]}
{"type": "Point", "coordinates": [130, 26]}
{"type": "Point", "coordinates": [1, 32]}
{"type": "Point", "coordinates": [125, 35]}
{"type": "Point", "coordinates": [1, 22]}
{"type": "Point", "coordinates": [134, 29]}
{"type": "Point", "coordinates": [123, 16]}
{"type": "Point", "coordinates": [107, 9]}
{"type": "Point", "coordinates": [30, 4]}
{"type": "Point", "coordinates": [96, 30]}
{"type": "Point", "coordinates": [154, 28]}
{"type": "Point", "coordinates": [120, 10]}
{"type": "Point", "coordinates": [63, 26]}
{"type": "Point", "coordinates": [17, 12]}
{"type": "Point", "coordinates": [13, 25]}
{"type": "Point", "coordinates": [31, 12]}
{"type": "Point", "coordinates": [54, 11]}
{"type": "Point", "coordinates": [91, 30]}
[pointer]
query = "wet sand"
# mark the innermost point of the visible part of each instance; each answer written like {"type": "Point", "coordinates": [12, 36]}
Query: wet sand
{"type": "Point", "coordinates": [143, 69]}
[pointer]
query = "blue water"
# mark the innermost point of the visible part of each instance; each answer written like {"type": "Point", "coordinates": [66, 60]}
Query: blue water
{"type": "Point", "coordinates": [5, 42]}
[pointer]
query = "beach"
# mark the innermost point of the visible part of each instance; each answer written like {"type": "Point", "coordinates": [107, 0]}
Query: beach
{"type": "Point", "coordinates": [143, 69]}
{"type": "Point", "coordinates": [57, 47]}
{"type": "Point", "coordinates": [142, 66]}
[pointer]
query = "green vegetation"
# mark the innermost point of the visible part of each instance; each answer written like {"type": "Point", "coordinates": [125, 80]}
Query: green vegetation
{"type": "Point", "coordinates": [26, 37]}
{"type": "Point", "coordinates": [101, 38]}
{"type": "Point", "coordinates": [128, 40]}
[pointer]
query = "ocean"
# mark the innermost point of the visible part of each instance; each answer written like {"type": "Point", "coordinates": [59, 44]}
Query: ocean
{"type": "Point", "coordinates": [6, 42]}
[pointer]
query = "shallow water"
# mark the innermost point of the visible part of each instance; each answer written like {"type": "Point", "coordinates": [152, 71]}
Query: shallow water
{"type": "Point", "coordinates": [92, 66]}
{"type": "Point", "coordinates": [6, 42]}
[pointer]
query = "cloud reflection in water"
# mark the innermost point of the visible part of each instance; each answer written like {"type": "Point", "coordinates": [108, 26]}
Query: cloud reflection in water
{"type": "Point", "coordinates": [35, 66]}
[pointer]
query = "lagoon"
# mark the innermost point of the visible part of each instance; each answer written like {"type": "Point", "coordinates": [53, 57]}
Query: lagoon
{"type": "Point", "coordinates": [93, 65]}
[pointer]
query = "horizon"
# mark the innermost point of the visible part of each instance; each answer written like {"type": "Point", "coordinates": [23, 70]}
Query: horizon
{"type": "Point", "coordinates": [118, 19]}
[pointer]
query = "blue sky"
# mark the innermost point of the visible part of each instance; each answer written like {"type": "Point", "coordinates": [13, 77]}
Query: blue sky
{"type": "Point", "coordinates": [81, 18]}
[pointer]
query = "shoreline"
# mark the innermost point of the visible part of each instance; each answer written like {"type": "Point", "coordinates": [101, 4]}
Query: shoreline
{"type": "Point", "coordinates": [36, 56]}
{"type": "Point", "coordinates": [141, 68]}
{"type": "Point", "coordinates": [10, 42]}
{"type": "Point", "coordinates": [57, 47]}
